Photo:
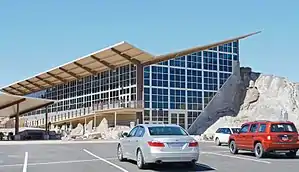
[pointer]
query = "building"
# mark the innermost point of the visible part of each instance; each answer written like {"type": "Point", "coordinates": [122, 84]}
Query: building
{"type": "Point", "coordinates": [123, 83]}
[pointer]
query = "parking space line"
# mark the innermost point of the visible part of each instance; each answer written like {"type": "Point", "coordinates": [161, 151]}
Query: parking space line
{"type": "Point", "coordinates": [237, 157]}
{"type": "Point", "coordinates": [55, 162]}
{"type": "Point", "coordinates": [25, 162]}
{"type": "Point", "coordinates": [106, 161]}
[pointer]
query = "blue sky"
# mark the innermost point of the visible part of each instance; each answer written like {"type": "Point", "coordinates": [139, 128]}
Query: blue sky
{"type": "Point", "coordinates": [38, 35]}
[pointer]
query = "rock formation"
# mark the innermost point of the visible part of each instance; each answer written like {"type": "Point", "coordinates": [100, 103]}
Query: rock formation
{"type": "Point", "coordinates": [267, 98]}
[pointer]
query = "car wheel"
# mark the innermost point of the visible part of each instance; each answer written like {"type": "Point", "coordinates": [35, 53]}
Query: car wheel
{"type": "Point", "coordinates": [217, 141]}
{"type": "Point", "coordinates": [140, 160]}
{"type": "Point", "coordinates": [259, 150]}
{"type": "Point", "coordinates": [120, 155]}
{"type": "Point", "coordinates": [232, 147]}
{"type": "Point", "coordinates": [292, 154]}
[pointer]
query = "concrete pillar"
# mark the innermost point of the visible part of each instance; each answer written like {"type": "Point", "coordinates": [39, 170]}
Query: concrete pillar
{"type": "Point", "coordinates": [46, 120]}
{"type": "Point", "coordinates": [95, 121]}
{"type": "Point", "coordinates": [139, 91]}
{"type": "Point", "coordinates": [17, 120]}
{"type": "Point", "coordinates": [115, 118]}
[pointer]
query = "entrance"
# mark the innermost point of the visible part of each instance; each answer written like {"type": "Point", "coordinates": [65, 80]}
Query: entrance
{"type": "Point", "coordinates": [178, 118]}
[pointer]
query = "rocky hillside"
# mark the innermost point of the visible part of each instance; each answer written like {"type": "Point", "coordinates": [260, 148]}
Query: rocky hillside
{"type": "Point", "coordinates": [267, 97]}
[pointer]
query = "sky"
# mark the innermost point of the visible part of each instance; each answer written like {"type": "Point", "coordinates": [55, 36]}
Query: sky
{"type": "Point", "coordinates": [36, 36]}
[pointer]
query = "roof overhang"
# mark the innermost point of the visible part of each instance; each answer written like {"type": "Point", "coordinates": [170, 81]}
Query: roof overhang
{"type": "Point", "coordinates": [169, 56]}
{"type": "Point", "coordinates": [111, 57]}
{"type": "Point", "coordinates": [8, 104]}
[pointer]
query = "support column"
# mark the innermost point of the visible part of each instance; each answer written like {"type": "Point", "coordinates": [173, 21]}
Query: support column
{"type": "Point", "coordinates": [95, 121]}
{"type": "Point", "coordinates": [46, 121]}
{"type": "Point", "coordinates": [17, 123]}
{"type": "Point", "coordinates": [115, 118]}
{"type": "Point", "coordinates": [139, 92]}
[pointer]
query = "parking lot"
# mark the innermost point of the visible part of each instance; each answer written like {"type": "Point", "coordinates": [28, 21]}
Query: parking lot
{"type": "Point", "coordinates": [95, 157]}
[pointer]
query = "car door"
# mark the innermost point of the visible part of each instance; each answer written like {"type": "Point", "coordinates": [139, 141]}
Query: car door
{"type": "Point", "coordinates": [227, 132]}
{"type": "Point", "coordinates": [249, 137]}
{"type": "Point", "coordinates": [137, 140]}
{"type": "Point", "coordinates": [127, 143]}
{"type": "Point", "coordinates": [240, 137]}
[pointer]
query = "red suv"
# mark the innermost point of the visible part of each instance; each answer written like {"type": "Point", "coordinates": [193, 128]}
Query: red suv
{"type": "Point", "coordinates": [264, 137]}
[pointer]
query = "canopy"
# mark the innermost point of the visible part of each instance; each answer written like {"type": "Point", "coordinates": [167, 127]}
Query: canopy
{"type": "Point", "coordinates": [8, 104]}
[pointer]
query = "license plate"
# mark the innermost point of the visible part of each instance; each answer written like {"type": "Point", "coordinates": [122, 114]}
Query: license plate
{"type": "Point", "coordinates": [176, 145]}
{"type": "Point", "coordinates": [284, 138]}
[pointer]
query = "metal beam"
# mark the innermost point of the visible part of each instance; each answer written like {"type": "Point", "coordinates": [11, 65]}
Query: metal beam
{"type": "Point", "coordinates": [32, 109]}
{"type": "Point", "coordinates": [24, 86]}
{"type": "Point", "coordinates": [127, 57]}
{"type": "Point", "coordinates": [103, 62]}
{"type": "Point", "coordinates": [57, 77]}
{"type": "Point", "coordinates": [5, 90]}
{"type": "Point", "coordinates": [69, 73]}
{"type": "Point", "coordinates": [36, 85]}
{"type": "Point", "coordinates": [45, 81]}
{"type": "Point", "coordinates": [85, 68]}
{"type": "Point", "coordinates": [12, 103]}
{"type": "Point", "coordinates": [18, 90]}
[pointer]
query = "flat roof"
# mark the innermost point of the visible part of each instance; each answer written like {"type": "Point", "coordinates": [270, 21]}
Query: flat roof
{"type": "Point", "coordinates": [8, 104]}
{"type": "Point", "coordinates": [108, 58]}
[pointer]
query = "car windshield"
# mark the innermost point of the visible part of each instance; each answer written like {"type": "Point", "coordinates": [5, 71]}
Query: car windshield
{"type": "Point", "coordinates": [235, 130]}
{"type": "Point", "coordinates": [283, 128]}
{"type": "Point", "coordinates": [166, 130]}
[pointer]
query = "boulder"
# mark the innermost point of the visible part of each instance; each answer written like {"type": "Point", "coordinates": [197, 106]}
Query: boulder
{"type": "Point", "coordinates": [269, 98]}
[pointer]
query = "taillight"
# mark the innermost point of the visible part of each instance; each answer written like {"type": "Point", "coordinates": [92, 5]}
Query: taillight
{"type": "Point", "coordinates": [155, 144]}
{"type": "Point", "coordinates": [193, 144]}
{"type": "Point", "coordinates": [268, 137]}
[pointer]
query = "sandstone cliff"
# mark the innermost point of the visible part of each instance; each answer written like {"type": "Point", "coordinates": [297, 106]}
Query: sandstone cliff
{"type": "Point", "coordinates": [267, 97]}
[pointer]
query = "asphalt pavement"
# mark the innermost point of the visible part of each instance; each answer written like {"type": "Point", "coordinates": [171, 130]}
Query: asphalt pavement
{"type": "Point", "coordinates": [101, 157]}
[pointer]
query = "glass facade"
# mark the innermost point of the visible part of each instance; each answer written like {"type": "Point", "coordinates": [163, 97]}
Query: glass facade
{"type": "Point", "coordinates": [175, 91]}
{"type": "Point", "coordinates": [104, 87]}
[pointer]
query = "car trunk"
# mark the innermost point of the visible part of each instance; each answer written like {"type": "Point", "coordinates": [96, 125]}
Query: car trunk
{"type": "Point", "coordinates": [284, 137]}
{"type": "Point", "coordinates": [173, 142]}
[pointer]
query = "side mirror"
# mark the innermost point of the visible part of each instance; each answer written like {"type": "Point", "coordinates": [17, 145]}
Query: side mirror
{"type": "Point", "coordinates": [125, 134]}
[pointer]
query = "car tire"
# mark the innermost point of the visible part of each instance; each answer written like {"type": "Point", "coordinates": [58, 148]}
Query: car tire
{"type": "Point", "coordinates": [140, 160]}
{"type": "Point", "coordinates": [292, 154]}
{"type": "Point", "coordinates": [217, 141]}
{"type": "Point", "coordinates": [233, 147]}
{"type": "Point", "coordinates": [120, 155]}
{"type": "Point", "coordinates": [259, 151]}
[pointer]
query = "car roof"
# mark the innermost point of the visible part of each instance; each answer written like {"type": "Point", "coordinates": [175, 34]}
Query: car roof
{"type": "Point", "coordinates": [158, 125]}
{"type": "Point", "coordinates": [268, 121]}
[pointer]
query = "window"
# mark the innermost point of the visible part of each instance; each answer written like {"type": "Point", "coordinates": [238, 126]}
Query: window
{"type": "Point", "coordinates": [253, 128]}
{"type": "Point", "coordinates": [194, 60]}
{"type": "Point", "coordinates": [210, 80]}
{"type": "Point", "coordinates": [219, 130]}
{"type": "Point", "coordinates": [159, 76]}
{"type": "Point", "coordinates": [235, 130]}
{"type": "Point", "coordinates": [177, 131]}
{"type": "Point", "coordinates": [210, 60]}
{"type": "Point", "coordinates": [133, 132]}
{"type": "Point", "coordinates": [244, 129]}
{"type": "Point", "coordinates": [226, 131]}
{"type": "Point", "coordinates": [283, 127]}
{"type": "Point", "coordinates": [194, 99]}
{"type": "Point", "coordinates": [140, 132]}
{"type": "Point", "coordinates": [177, 78]}
{"type": "Point", "coordinates": [262, 128]}
{"type": "Point", "coordinates": [177, 99]}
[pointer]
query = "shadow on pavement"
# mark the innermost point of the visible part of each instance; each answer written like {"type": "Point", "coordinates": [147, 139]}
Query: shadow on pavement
{"type": "Point", "coordinates": [178, 167]}
{"type": "Point", "coordinates": [270, 155]}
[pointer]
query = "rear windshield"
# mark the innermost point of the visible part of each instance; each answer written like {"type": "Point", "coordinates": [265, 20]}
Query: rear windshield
{"type": "Point", "coordinates": [283, 128]}
{"type": "Point", "coordinates": [235, 130]}
{"type": "Point", "coordinates": [167, 130]}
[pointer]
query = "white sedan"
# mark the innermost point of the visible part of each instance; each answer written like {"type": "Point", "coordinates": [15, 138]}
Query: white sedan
{"type": "Point", "coordinates": [222, 135]}
{"type": "Point", "coordinates": [158, 143]}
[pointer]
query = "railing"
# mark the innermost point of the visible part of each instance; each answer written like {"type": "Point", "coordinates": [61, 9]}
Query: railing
{"type": "Point", "coordinates": [69, 114]}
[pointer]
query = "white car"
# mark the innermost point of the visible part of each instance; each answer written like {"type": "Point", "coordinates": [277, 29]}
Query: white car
{"type": "Point", "coordinates": [158, 143]}
{"type": "Point", "coordinates": [222, 134]}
